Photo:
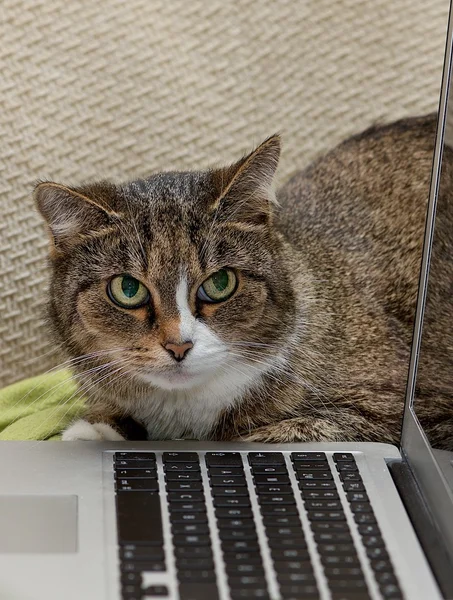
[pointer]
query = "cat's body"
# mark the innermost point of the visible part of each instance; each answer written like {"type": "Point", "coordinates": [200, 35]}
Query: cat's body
{"type": "Point", "coordinates": [313, 343]}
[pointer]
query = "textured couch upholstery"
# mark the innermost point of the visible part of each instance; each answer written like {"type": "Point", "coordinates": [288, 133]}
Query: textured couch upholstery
{"type": "Point", "coordinates": [115, 89]}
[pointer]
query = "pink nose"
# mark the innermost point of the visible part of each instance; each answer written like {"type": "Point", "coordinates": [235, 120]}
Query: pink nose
{"type": "Point", "coordinates": [178, 351]}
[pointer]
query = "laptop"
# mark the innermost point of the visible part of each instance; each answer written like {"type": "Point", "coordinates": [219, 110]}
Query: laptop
{"type": "Point", "coordinates": [186, 520]}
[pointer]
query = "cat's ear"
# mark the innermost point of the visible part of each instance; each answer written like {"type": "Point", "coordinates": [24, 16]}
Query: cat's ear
{"type": "Point", "coordinates": [70, 213]}
{"type": "Point", "coordinates": [245, 189]}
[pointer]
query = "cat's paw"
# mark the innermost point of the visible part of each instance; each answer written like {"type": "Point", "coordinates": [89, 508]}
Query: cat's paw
{"type": "Point", "coordinates": [93, 432]}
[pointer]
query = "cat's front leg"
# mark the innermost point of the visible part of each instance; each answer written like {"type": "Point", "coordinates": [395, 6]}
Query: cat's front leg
{"type": "Point", "coordinates": [96, 428]}
{"type": "Point", "coordinates": [350, 428]}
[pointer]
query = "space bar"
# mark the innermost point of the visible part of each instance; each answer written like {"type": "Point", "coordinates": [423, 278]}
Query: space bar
{"type": "Point", "coordinates": [139, 518]}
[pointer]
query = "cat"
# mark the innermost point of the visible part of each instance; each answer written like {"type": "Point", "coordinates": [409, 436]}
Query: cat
{"type": "Point", "coordinates": [203, 305]}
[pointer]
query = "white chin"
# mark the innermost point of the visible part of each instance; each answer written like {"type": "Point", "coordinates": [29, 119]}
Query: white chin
{"type": "Point", "coordinates": [174, 381]}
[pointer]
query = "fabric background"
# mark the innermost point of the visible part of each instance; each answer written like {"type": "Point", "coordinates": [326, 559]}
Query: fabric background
{"type": "Point", "coordinates": [114, 89]}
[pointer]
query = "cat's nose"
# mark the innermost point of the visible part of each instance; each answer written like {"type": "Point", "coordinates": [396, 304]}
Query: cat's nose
{"type": "Point", "coordinates": [178, 351]}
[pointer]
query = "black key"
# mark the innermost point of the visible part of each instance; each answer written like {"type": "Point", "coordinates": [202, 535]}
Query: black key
{"type": "Point", "coordinates": [291, 578]}
{"type": "Point", "coordinates": [135, 552]}
{"type": "Point", "coordinates": [155, 591]}
{"type": "Point", "coordinates": [373, 541]}
{"type": "Point", "coordinates": [197, 591]}
{"type": "Point", "coordinates": [317, 485]}
{"type": "Point", "coordinates": [284, 520]}
{"type": "Point", "coordinates": [181, 467]}
{"type": "Point", "coordinates": [369, 530]}
{"type": "Point", "coordinates": [226, 501]}
{"type": "Point", "coordinates": [343, 572]}
{"type": "Point", "coordinates": [223, 459]}
{"type": "Point", "coordinates": [131, 591]}
{"type": "Point", "coordinates": [326, 537]}
{"type": "Point", "coordinates": [362, 507]}
{"type": "Point", "coordinates": [385, 577]}
{"type": "Point", "coordinates": [139, 518]}
{"type": "Point", "coordinates": [226, 471]}
{"type": "Point", "coordinates": [131, 578]}
{"type": "Point", "coordinates": [190, 528]}
{"type": "Point", "coordinates": [182, 517]}
{"type": "Point", "coordinates": [274, 488]}
{"type": "Point", "coordinates": [348, 595]}
{"type": "Point", "coordinates": [337, 549]}
{"type": "Point", "coordinates": [134, 456]}
{"type": "Point", "coordinates": [343, 456]}
{"type": "Point", "coordinates": [381, 565]}
{"type": "Point", "coordinates": [185, 497]}
{"type": "Point", "coordinates": [240, 546]}
{"type": "Point", "coordinates": [134, 464]}
{"type": "Point", "coordinates": [193, 552]}
{"type": "Point", "coordinates": [285, 554]}
{"type": "Point", "coordinates": [182, 476]}
{"type": "Point", "coordinates": [276, 499]}
{"type": "Point", "coordinates": [229, 491]}
{"type": "Point", "coordinates": [308, 456]}
{"type": "Point", "coordinates": [234, 558]}
{"type": "Point", "coordinates": [149, 485]}
{"type": "Point", "coordinates": [334, 560]}
{"type": "Point", "coordinates": [266, 458]}
{"type": "Point", "coordinates": [350, 476]}
{"type": "Point", "coordinates": [331, 526]}
{"type": "Point", "coordinates": [274, 509]}
{"type": "Point", "coordinates": [357, 496]}
{"type": "Point", "coordinates": [298, 591]}
{"type": "Point", "coordinates": [239, 512]}
{"type": "Point", "coordinates": [237, 534]}
{"type": "Point", "coordinates": [351, 585]}
{"type": "Point", "coordinates": [319, 494]}
{"type": "Point", "coordinates": [367, 518]}
{"type": "Point", "coordinates": [202, 575]}
{"type": "Point", "coordinates": [134, 473]}
{"type": "Point", "coordinates": [181, 486]}
{"type": "Point", "coordinates": [269, 469]}
{"type": "Point", "coordinates": [344, 467]}
{"type": "Point", "coordinates": [283, 531]}
{"type": "Point", "coordinates": [260, 593]}
{"type": "Point", "coordinates": [314, 475]}
{"type": "Point", "coordinates": [271, 479]}
{"type": "Point", "coordinates": [245, 581]}
{"type": "Point", "coordinates": [235, 524]}
{"type": "Point", "coordinates": [301, 467]}
{"type": "Point", "coordinates": [194, 563]}
{"type": "Point", "coordinates": [353, 486]}
{"type": "Point", "coordinates": [391, 591]}
{"type": "Point", "coordinates": [191, 540]}
{"type": "Point", "coordinates": [280, 543]}
{"type": "Point", "coordinates": [180, 457]}
{"type": "Point", "coordinates": [323, 505]}
{"type": "Point", "coordinates": [236, 569]}
{"type": "Point", "coordinates": [138, 567]}
{"type": "Point", "coordinates": [299, 566]}
{"type": "Point", "coordinates": [326, 515]}
{"type": "Point", "coordinates": [379, 552]}
{"type": "Point", "coordinates": [227, 481]}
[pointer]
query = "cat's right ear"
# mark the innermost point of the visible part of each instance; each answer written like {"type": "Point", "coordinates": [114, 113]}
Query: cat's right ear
{"type": "Point", "coordinates": [70, 215]}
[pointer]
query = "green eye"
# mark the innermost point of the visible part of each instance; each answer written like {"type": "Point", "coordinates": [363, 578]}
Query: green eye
{"type": "Point", "coordinates": [220, 286]}
{"type": "Point", "coordinates": [128, 292]}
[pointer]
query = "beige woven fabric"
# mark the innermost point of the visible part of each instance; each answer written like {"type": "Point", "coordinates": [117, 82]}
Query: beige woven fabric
{"type": "Point", "coordinates": [116, 89]}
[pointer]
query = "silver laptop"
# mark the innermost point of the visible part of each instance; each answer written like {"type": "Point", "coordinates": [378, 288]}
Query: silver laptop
{"type": "Point", "coordinates": [217, 521]}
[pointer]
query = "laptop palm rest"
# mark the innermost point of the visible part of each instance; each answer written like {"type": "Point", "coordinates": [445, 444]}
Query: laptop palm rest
{"type": "Point", "coordinates": [38, 524]}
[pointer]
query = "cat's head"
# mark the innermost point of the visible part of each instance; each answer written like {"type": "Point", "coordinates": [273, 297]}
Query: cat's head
{"type": "Point", "coordinates": [179, 277]}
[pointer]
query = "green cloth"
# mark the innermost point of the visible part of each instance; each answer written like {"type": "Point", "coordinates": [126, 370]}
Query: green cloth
{"type": "Point", "coordinates": [39, 408]}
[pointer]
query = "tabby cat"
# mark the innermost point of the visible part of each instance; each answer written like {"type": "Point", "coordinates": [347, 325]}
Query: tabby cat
{"type": "Point", "coordinates": [203, 305]}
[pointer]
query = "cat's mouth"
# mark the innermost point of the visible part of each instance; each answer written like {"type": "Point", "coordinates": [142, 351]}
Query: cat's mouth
{"type": "Point", "coordinates": [175, 378]}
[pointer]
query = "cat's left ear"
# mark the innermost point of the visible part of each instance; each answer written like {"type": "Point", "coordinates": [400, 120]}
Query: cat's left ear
{"type": "Point", "coordinates": [245, 189]}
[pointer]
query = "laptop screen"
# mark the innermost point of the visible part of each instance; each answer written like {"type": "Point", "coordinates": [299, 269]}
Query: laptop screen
{"type": "Point", "coordinates": [427, 440]}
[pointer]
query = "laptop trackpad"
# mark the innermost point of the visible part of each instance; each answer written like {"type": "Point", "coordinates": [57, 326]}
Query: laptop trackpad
{"type": "Point", "coordinates": [38, 524]}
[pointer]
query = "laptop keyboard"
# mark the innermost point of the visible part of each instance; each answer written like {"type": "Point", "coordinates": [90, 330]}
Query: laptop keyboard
{"type": "Point", "coordinates": [237, 526]}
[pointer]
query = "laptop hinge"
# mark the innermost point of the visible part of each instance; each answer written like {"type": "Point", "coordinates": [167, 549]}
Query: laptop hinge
{"type": "Point", "coordinates": [424, 525]}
